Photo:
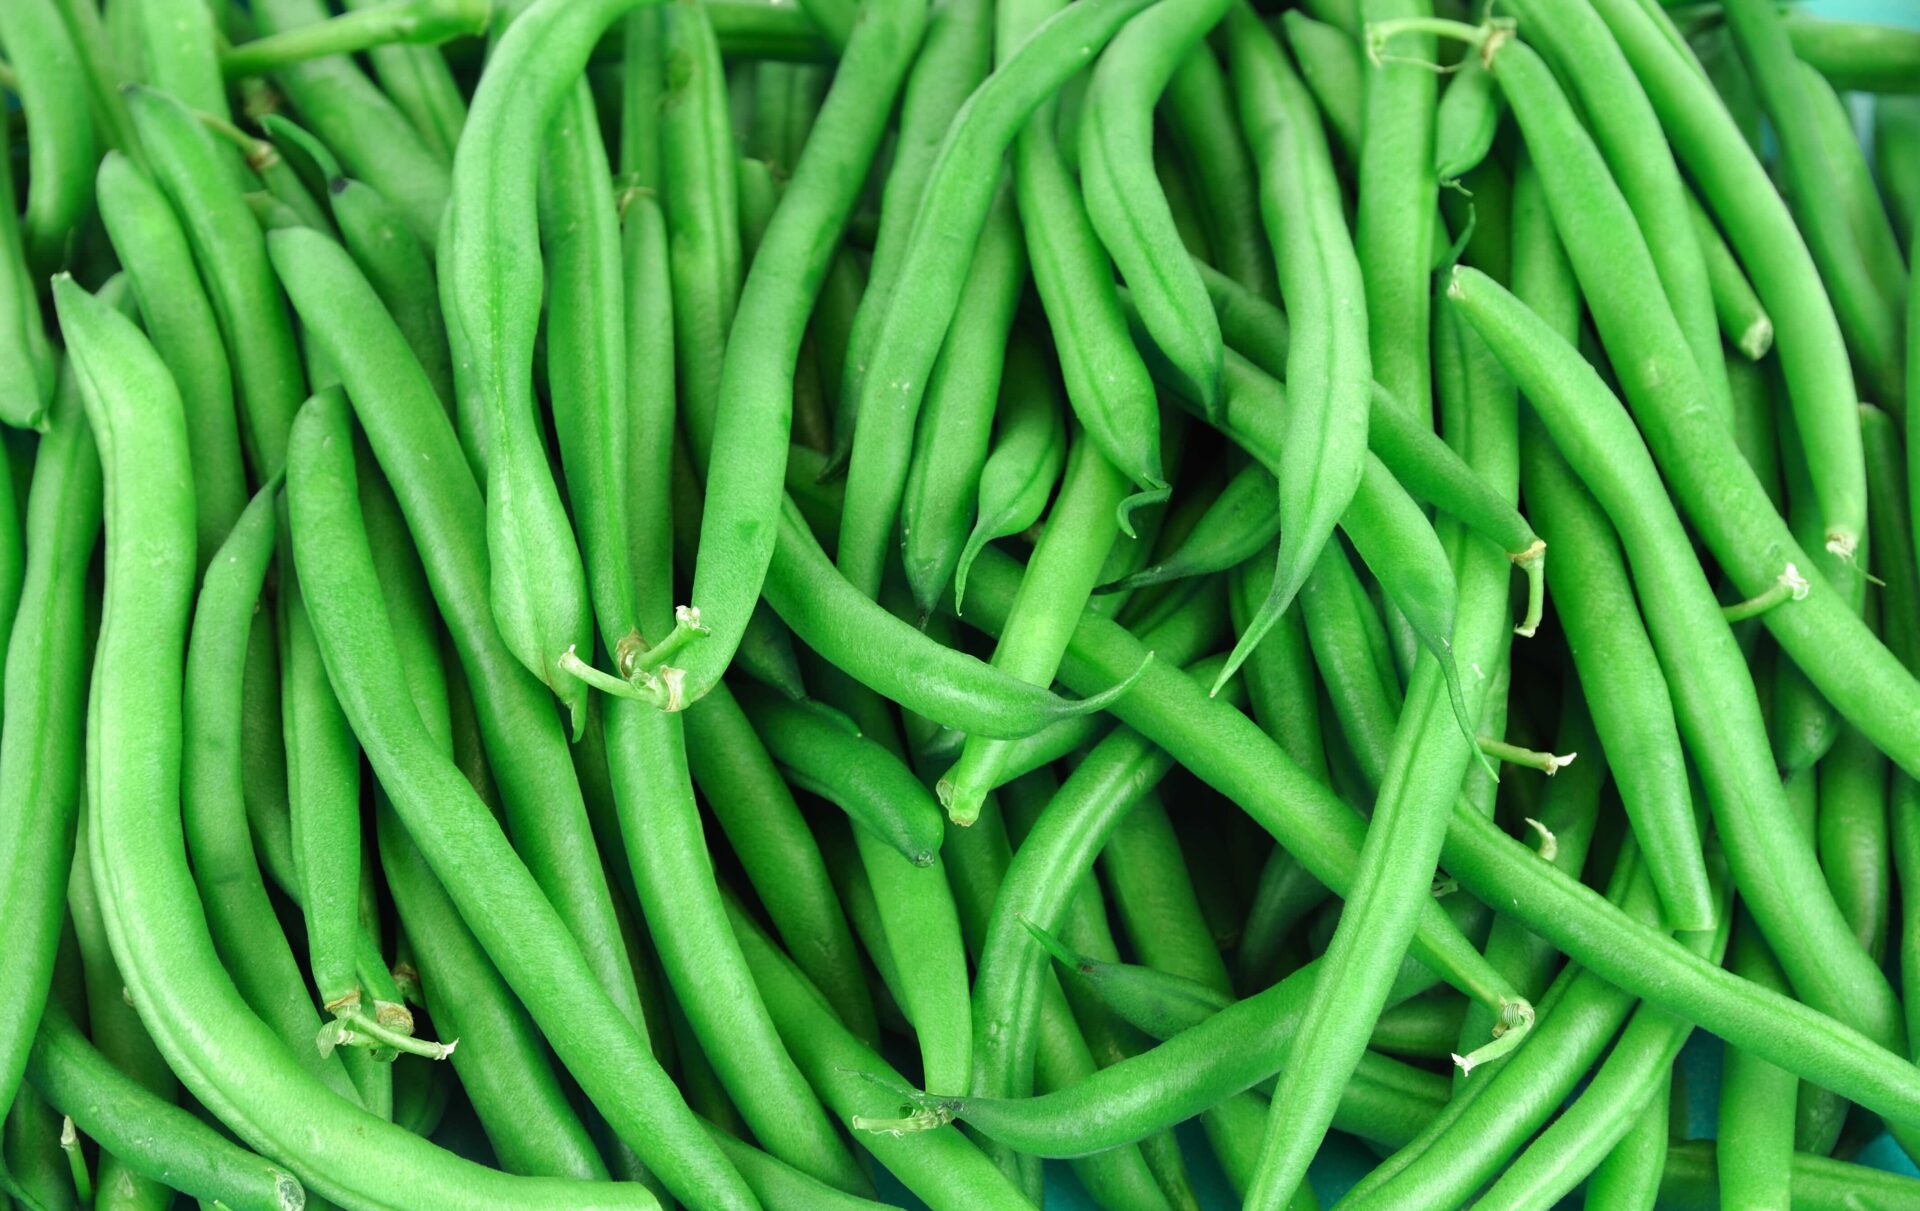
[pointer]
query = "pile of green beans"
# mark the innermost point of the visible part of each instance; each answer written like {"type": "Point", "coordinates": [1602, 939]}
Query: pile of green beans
{"type": "Point", "coordinates": [805, 605]}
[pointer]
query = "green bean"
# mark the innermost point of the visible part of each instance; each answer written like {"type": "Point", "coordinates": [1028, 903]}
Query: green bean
{"type": "Point", "coordinates": [1228, 752]}
{"type": "Point", "coordinates": [1756, 1102]}
{"type": "Point", "coordinates": [742, 526]}
{"type": "Point", "coordinates": [367, 27]}
{"type": "Point", "coordinates": [1200, 117]}
{"type": "Point", "coordinates": [755, 809]}
{"type": "Point", "coordinates": [373, 138]}
{"type": "Point", "coordinates": [751, 29]}
{"type": "Point", "coordinates": [246, 1079]}
{"type": "Point", "coordinates": [40, 1174]}
{"type": "Point", "coordinates": [1896, 161]}
{"type": "Point", "coordinates": [1627, 131]}
{"type": "Point", "coordinates": [1853, 837]}
{"type": "Point", "coordinates": [1158, 1002]}
{"type": "Point", "coordinates": [1567, 818]}
{"type": "Point", "coordinates": [540, 960]}
{"type": "Point", "coordinates": [1743, 319]}
{"type": "Point", "coordinates": [40, 754]}
{"type": "Point", "coordinates": [1396, 184]}
{"type": "Point", "coordinates": [1628, 1179]}
{"type": "Point", "coordinates": [1856, 56]}
{"type": "Point", "coordinates": [245, 932]}
{"type": "Point", "coordinates": [1027, 457]}
{"type": "Point", "coordinates": [700, 196]}
{"type": "Point", "coordinates": [1858, 197]}
{"type": "Point", "coordinates": [834, 18]}
{"type": "Point", "coordinates": [180, 321]}
{"type": "Point", "coordinates": [409, 432]}
{"type": "Point", "coordinates": [1625, 687]}
{"type": "Point", "coordinates": [1349, 644]}
{"type": "Point", "coordinates": [1424, 1027]}
{"type": "Point", "coordinates": [23, 339]}
{"type": "Point", "coordinates": [1331, 64]}
{"type": "Point", "coordinates": [228, 248]}
{"type": "Point", "coordinates": [61, 152]}
{"type": "Point", "coordinates": [942, 1167]}
{"type": "Point", "coordinates": [180, 52]}
{"type": "Point", "coordinates": [1239, 522]}
{"type": "Point", "coordinates": [951, 442]}
{"type": "Point", "coordinates": [1689, 1181]}
{"type": "Point", "coordinates": [1465, 121]}
{"type": "Point", "coordinates": [954, 57]}
{"type": "Point", "coordinates": [1713, 695]}
{"type": "Point", "coordinates": [1490, 1119]}
{"type": "Point", "coordinates": [643, 65]}
{"type": "Point", "coordinates": [1107, 383]}
{"type": "Point", "coordinates": [1128, 211]}
{"type": "Point", "coordinates": [1425, 768]}
{"type": "Point", "coordinates": [777, 1184]}
{"type": "Point", "coordinates": [154, 1138]}
{"type": "Point", "coordinates": [1327, 358]}
{"type": "Point", "coordinates": [1762, 233]}
{"type": "Point", "coordinates": [1634, 1072]}
{"type": "Point", "coordinates": [401, 273]}
{"type": "Point", "coordinates": [824, 756]}
{"type": "Point", "coordinates": [959, 192]}
{"type": "Point", "coordinates": [490, 273]}
{"type": "Point", "coordinates": [417, 80]}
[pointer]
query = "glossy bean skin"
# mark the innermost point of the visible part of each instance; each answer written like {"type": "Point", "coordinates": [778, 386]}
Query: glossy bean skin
{"type": "Point", "coordinates": [180, 321]}
{"type": "Point", "coordinates": [756, 810]}
{"type": "Point", "coordinates": [1226, 754]}
{"type": "Point", "coordinates": [1199, 111]}
{"type": "Point", "coordinates": [1328, 360]}
{"type": "Point", "coordinates": [742, 519]}
{"type": "Point", "coordinates": [951, 443]}
{"type": "Point", "coordinates": [247, 1078]}
{"type": "Point", "coordinates": [1107, 382]}
{"type": "Point", "coordinates": [23, 335]}
{"type": "Point", "coordinates": [1870, 318]}
{"type": "Point", "coordinates": [1396, 184]}
{"type": "Point", "coordinates": [954, 57]}
{"type": "Point", "coordinates": [231, 253]}
{"type": "Point", "coordinates": [373, 138]}
{"type": "Point", "coordinates": [153, 1137]}
{"type": "Point", "coordinates": [419, 83]}
{"type": "Point", "coordinates": [1700, 667]}
{"type": "Point", "coordinates": [1127, 207]}
{"type": "Point", "coordinates": [1243, 519]}
{"type": "Point", "coordinates": [1757, 224]}
{"type": "Point", "coordinates": [40, 756]}
{"type": "Point", "coordinates": [490, 269]}
{"type": "Point", "coordinates": [1029, 452]}
{"type": "Point", "coordinates": [536, 954]}
{"type": "Point", "coordinates": [958, 195]}
{"type": "Point", "coordinates": [944, 1169]}
{"type": "Point", "coordinates": [61, 152]}
{"type": "Point", "coordinates": [1628, 133]}
{"type": "Point", "coordinates": [404, 418]}
{"type": "Point", "coordinates": [1743, 317]}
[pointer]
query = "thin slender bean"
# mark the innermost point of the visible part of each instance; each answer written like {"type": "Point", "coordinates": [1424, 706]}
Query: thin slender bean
{"type": "Point", "coordinates": [40, 755]}
{"type": "Point", "coordinates": [1129, 212]}
{"type": "Point", "coordinates": [1857, 56]}
{"type": "Point", "coordinates": [418, 81]}
{"type": "Point", "coordinates": [1629, 1178]}
{"type": "Point", "coordinates": [1226, 750]}
{"type": "Point", "coordinates": [1737, 190]}
{"type": "Point", "coordinates": [741, 526]}
{"type": "Point", "coordinates": [247, 1079]}
{"type": "Point", "coordinates": [1743, 318]}
{"type": "Point", "coordinates": [1028, 455]}
{"type": "Point", "coordinates": [28, 393]}
{"type": "Point", "coordinates": [951, 442]}
{"type": "Point", "coordinates": [958, 194]}
{"type": "Point", "coordinates": [954, 56]}
{"type": "Point", "coordinates": [1107, 382]}
{"type": "Point", "coordinates": [1331, 64]}
{"type": "Point", "coordinates": [373, 138]}
{"type": "Point", "coordinates": [1200, 117]}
